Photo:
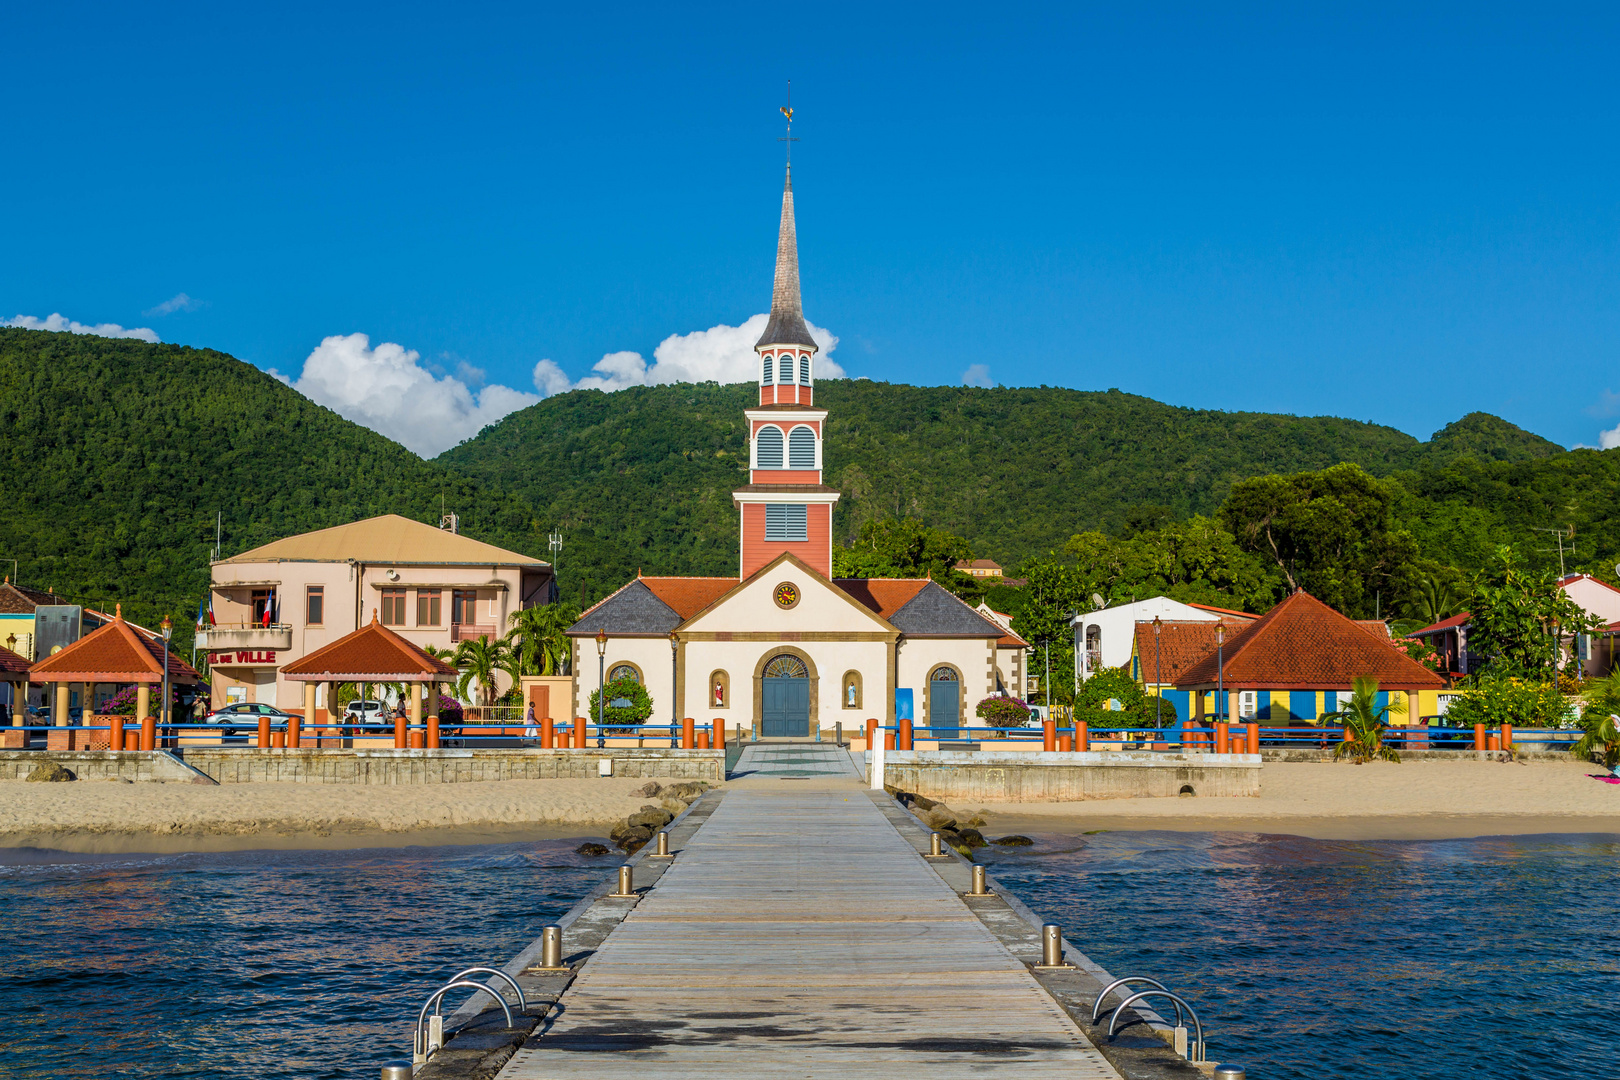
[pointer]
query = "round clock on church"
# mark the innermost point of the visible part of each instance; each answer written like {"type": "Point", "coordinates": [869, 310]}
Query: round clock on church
{"type": "Point", "coordinates": [786, 594]}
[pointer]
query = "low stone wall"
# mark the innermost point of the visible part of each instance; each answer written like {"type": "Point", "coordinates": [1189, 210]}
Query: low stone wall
{"type": "Point", "coordinates": [134, 765]}
{"type": "Point", "coordinates": [988, 776]}
{"type": "Point", "coordinates": [241, 765]}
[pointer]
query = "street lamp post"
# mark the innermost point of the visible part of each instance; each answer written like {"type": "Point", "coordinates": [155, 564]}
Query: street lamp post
{"type": "Point", "coordinates": [554, 541]}
{"type": "Point", "coordinates": [674, 677]}
{"type": "Point", "coordinates": [1220, 671]}
{"type": "Point", "coordinates": [167, 627]}
{"type": "Point", "coordinates": [601, 681]}
{"type": "Point", "coordinates": [1158, 695]}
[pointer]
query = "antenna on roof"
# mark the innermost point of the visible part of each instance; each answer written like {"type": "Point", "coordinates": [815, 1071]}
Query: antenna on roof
{"type": "Point", "coordinates": [450, 523]}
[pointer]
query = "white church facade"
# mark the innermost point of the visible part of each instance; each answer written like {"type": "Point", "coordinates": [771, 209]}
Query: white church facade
{"type": "Point", "coordinates": [784, 644]}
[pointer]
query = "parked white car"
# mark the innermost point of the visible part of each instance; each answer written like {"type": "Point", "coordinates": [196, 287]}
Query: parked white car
{"type": "Point", "coordinates": [366, 713]}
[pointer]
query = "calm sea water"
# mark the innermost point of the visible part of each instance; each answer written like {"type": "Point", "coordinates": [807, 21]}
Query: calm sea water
{"type": "Point", "coordinates": [1491, 959]}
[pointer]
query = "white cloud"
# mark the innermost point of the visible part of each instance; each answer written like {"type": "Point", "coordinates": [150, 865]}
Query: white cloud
{"type": "Point", "coordinates": [977, 375]}
{"type": "Point", "coordinates": [178, 302]}
{"type": "Point", "coordinates": [722, 354]}
{"type": "Point", "coordinates": [388, 390]}
{"type": "Point", "coordinates": [1609, 440]}
{"type": "Point", "coordinates": [58, 323]}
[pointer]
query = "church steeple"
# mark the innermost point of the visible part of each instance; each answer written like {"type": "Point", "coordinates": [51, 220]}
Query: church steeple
{"type": "Point", "coordinates": [787, 309]}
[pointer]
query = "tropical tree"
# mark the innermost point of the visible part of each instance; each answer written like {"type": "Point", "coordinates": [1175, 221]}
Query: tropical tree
{"type": "Point", "coordinates": [1518, 617]}
{"type": "Point", "coordinates": [478, 660]}
{"type": "Point", "coordinates": [539, 638]}
{"type": "Point", "coordinates": [1433, 600]}
{"type": "Point", "coordinates": [1600, 741]}
{"type": "Point", "coordinates": [1364, 723]}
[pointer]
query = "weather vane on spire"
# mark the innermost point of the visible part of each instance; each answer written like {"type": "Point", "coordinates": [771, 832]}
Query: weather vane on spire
{"type": "Point", "coordinates": [787, 111]}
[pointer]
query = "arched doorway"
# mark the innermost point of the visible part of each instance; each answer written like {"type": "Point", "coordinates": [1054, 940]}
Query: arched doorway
{"type": "Point", "coordinates": [785, 712]}
{"type": "Point", "coordinates": [945, 703]}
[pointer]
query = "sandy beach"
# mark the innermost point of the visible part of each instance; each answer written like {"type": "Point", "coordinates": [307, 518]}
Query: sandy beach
{"type": "Point", "coordinates": [1382, 800]}
{"type": "Point", "coordinates": [101, 816]}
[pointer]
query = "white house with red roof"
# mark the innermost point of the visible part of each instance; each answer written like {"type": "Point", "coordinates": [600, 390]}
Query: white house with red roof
{"type": "Point", "coordinates": [782, 644]}
{"type": "Point", "coordinates": [1594, 652]}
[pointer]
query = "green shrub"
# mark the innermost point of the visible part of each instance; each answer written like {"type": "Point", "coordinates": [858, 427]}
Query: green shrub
{"type": "Point", "coordinates": [1494, 700]}
{"type": "Point", "coordinates": [1003, 712]}
{"type": "Point", "coordinates": [640, 705]}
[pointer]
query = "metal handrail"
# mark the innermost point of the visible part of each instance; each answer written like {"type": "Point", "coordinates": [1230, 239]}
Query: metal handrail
{"type": "Point", "coordinates": [1096, 1007]}
{"type": "Point", "coordinates": [1198, 1024]}
{"type": "Point", "coordinates": [523, 1002]}
{"type": "Point", "coordinates": [421, 1018]}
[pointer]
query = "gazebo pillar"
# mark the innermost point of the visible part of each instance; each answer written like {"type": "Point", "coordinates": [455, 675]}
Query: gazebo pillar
{"type": "Point", "coordinates": [416, 705]}
{"type": "Point", "coordinates": [309, 709]}
{"type": "Point", "coordinates": [59, 710]}
{"type": "Point", "coordinates": [143, 703]}
{"type": "Point", "coordinates": [19, 703]}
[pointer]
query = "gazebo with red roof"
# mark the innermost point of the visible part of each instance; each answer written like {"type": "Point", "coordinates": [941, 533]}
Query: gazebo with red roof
{"type": "Point", "coordinates": [14, 670]}
{"type": "Point", "coordinates": [114, 653]}
{"type": "Point", "coordinates": [1297, 652]}
{"type": "Point", "coordinates": [371, 654]}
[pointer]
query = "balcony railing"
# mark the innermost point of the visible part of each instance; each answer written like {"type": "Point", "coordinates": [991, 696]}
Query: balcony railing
{"type": "Point", "coordinates": [246, 636]}
{"type": "Point", "coordinates": [470, 632]}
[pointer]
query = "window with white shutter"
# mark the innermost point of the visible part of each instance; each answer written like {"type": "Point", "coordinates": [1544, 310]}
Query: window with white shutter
{"type": "Point", "coordinates": [787, 521]}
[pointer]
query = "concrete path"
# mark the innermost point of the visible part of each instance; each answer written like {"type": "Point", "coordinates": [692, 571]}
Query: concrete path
{"type": "Point", "coordinates": [794, 760]}
{"type": "Point", "coordinates": [798, 934]}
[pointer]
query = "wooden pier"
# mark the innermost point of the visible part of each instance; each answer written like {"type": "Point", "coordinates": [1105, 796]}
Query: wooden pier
{"type": "Point", "coordinates": [800, 931]}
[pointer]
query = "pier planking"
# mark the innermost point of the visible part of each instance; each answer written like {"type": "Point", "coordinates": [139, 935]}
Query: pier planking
{"type": "Point", "coordinates": [799, 934]}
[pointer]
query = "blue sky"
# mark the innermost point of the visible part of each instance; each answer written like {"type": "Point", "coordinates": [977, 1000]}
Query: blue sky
{"type": "Point", "coordinates": [1390, 214]}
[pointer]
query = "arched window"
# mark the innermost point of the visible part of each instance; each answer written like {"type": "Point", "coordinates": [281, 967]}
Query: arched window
{"type": "Point", "coordinates": [804, 370]}
{"type": "Point", "coordinates": [802, 448]}
{"type": "Point", "coordinates": [786, 666]}
{"type": "Point", "coordinates": [851, 696]}
{"type": "Point", "coordinates": [624, 671]}
{"type": "Point", "coordinates": [767, 378]}
{"type": "Point", "coordinates": [768, 448]}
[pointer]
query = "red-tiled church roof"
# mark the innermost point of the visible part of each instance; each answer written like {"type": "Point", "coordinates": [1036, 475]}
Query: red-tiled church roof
{"type": "Point", "coordinates": [885, 596]}
{"type": "Point", "coordinates": [686, 596]}
{"type": "Point", "coordinates": [1303, 644]}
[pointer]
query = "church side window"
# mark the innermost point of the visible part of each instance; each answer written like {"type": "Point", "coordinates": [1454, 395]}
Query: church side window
{"type": "Point", "coordinates": [768, 448]}
{"type": "Point", "coordinates": [801, 448]}
{"type": "Point", "coordinates": [623, 671]}
{"type": "Point", "coordinates": [787, 521]}
{"type": "Point", "coordinates": [804, 370]}
{"type": "Point", "coordinates": [768, 377]}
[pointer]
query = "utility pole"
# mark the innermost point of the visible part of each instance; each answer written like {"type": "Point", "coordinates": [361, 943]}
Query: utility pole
{"type": "Point", "coordinates": [1561, 534]}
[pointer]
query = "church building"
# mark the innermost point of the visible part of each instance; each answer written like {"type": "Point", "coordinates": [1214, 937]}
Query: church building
{"type": "Point", "coordinates": [784, 643]}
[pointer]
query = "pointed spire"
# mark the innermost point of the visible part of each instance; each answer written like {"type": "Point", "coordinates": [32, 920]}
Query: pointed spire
{"type": "Point", "coordinates": [787, 310]}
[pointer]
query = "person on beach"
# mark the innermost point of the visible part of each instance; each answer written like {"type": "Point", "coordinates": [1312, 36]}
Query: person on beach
{"type": "Point", "coordinates": [531, 729]}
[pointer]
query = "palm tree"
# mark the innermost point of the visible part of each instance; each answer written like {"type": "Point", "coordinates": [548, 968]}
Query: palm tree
{"type": "Point", "coordinates": [1433, 601]}
{"type": "Point", "coordinates": [1600, 741]}
{"type": "Point", "coordinates": [539, 638]}
{"type": "Point", "coordinates": [479, 659]}
{"type": "Point", "coordinates": [1364, 725]}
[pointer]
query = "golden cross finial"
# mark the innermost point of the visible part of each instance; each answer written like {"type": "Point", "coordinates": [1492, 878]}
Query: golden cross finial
{"type": "Point", "coordinates": [787, 111]}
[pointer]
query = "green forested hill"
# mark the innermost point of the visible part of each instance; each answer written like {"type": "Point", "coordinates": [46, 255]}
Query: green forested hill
{"type": "Point", "coordinates": [117, 454]}
{"type": "Point", "coordinates": [639, 478]}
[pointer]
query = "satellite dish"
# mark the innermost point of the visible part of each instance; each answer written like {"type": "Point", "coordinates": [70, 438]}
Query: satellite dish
{"type": "Point", "coordinates": [1617, 569]}
{"type": "Point", "coordinates": [1097, 601]}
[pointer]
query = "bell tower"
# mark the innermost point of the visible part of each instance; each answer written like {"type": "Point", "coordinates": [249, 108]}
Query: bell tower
{"type": "Point", "coordinates": [785, 507]}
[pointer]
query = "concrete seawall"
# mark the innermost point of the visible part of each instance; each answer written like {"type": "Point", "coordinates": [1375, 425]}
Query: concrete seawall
{"type": "Point", "coordinates": [232, 765]}
{"type": "Point", "coordinates": [990, 776]}
{"type": "Point", "coordinates": [155, 767]}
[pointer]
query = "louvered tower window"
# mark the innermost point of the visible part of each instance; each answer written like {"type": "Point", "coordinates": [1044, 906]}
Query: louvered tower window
{"type": "Point", "coordinates": [787, 521]}
{"type": "Point", "coordinates": [768, 448]}
{"type": "Point", "coordinates": [768, 376]}
{"type": "Point", "coordinates": [804, 370]}
{"type": "Point", "coordinates": [801, 448]}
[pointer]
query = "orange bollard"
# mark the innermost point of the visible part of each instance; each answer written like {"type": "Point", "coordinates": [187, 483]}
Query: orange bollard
{"type": "Point", "coordinates": [1507, 737]}
{"type": "Point", "coordinates": [1082, 736]}
{"type": "Point", "coordinates": [264, 733]}
{"type": "Point", "coordinates": [871, 733]}
{"type": "Point", "coordinates": [433, 731]}
{"type": "Point", "coordinates": [1496, 741]}
{"type": "Point", "coordinates": [1253, 731]}
{"type": "Point", "coordinates": [295, 731]}
{"type": "Point", "coordinates": [1479, 736]}
{"type": "Point", "coordinates": [400, 742]}
{"type": "Point", "coordinates": [904, 735]}
{"type": "Point", "coordinates": [888, 740]}
{"type": "Point", "coordinates": [1223, 731]}
{"type": "Point", "coordinates": [717, 734]}
{"type": "Point", "coordinates": [548, 732]}
{"type": "Point", "coordinates": [1065, 742]}
{"type": "Point", "coordinates": [688, 734]}
{"type": "Point", "coordinates": [418, 740]}
{"type": "Point", "coordinates": [579, 732]}
{"type": "Point", "coordinates": [278, 739]}
{"type": "Point", "coordinates": [132, 739]}
{"type": "Point", "coordinates": [1186, 735]}
{"type": "Point", "coordinates": [1049, 735]}
{"type": "Point", "coordinates": [115, 738]}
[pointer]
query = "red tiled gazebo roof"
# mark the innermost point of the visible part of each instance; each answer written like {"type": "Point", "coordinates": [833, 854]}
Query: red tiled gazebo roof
{"type": "Point", "coordinates": [114, 653]}
{"type": "Point", "coordinates": [1302, 644]}
{"type": "Point", "coordinates": [1181, 644]}
{"type": "Point", "coordinates": [372, 653]}
{"type": "Point", "coordinates": [12, 664]}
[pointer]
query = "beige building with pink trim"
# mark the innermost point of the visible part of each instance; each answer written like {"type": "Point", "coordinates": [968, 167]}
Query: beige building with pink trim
{"type": "Point", "coordinates": [430, 585]}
